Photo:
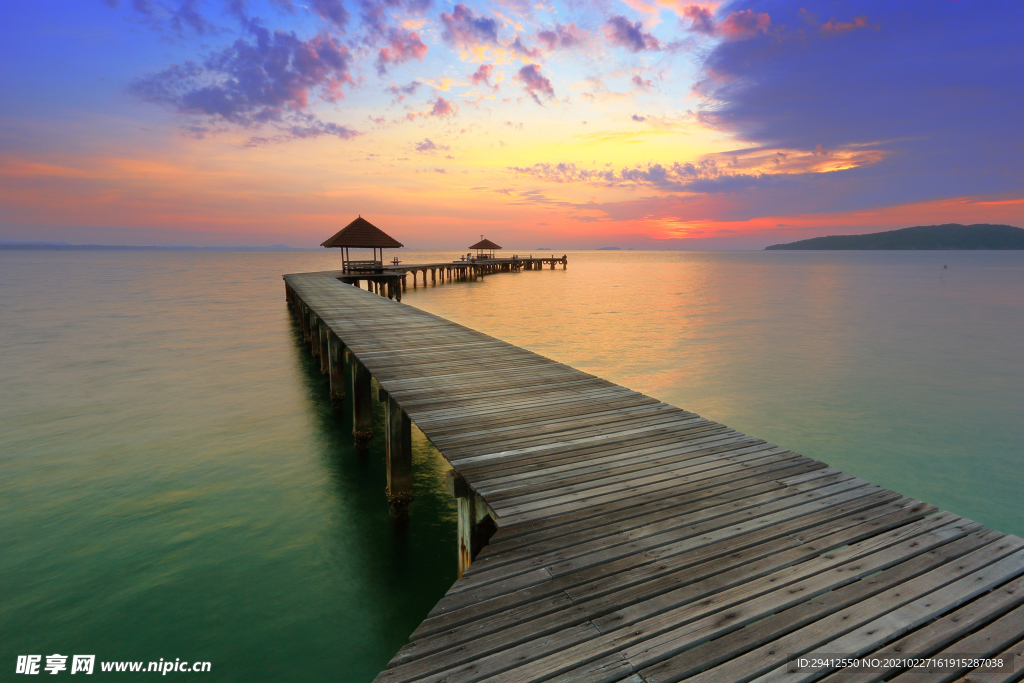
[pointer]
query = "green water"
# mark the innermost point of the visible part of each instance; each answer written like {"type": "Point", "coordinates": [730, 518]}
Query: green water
{"type": "Point", "coordinates": [174, 482]}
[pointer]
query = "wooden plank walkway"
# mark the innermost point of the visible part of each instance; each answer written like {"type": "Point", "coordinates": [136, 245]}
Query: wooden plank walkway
{"type": "Point", "coordinates": [640, 542]}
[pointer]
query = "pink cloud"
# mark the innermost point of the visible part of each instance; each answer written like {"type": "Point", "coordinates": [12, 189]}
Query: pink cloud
{"type": "Point", "coordinates": [534, 82]}
{"type": "Point", "coordinates": [482, 75]}
{"type": "Point", "coordinates": [744, 24]}
{"type": "Point", "coordinates": [833, 27]}
{"type": "Point", "coordinates": [642, 83]}
{"type": "Point", "coordinates": [700, 18]}
{"type": "Point", "coordinates": [403, 46]}
{"type": "Point", "coordinates": [443, 107]}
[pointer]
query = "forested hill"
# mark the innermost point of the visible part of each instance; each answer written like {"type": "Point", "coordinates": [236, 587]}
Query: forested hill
{"type": "Point", "coordinates": [948, 236]}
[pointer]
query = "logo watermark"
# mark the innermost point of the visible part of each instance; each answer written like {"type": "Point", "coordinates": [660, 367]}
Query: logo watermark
{"type": "Point", "coordinates": [86, 664]}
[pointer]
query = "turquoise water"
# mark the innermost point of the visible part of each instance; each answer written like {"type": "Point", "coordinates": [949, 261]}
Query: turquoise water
{"type": "Point", "coordinates": [174, 482]}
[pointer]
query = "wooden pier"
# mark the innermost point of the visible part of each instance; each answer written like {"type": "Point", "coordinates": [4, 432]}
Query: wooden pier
{"type": "Point", "coordinates": [391, 280]}
{"type": "Point", "coordinates": [607, 536]}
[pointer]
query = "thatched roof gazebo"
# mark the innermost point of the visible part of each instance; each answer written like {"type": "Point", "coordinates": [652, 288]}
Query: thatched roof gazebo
{"type": "Point", "coordinates": [361, 234]}
{"type": "Point", "coordinates": [484, 248]}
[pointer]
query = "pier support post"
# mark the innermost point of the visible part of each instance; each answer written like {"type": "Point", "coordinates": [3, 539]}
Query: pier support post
{"type": "Point", "coordinates": [314, 334]}
{"type": "Point", "coordinates": [475, 523]}
{"type": "Point", "coordinates": [304, 321]}
{"type": "Point", "coordinates": [399, 457]}
{"type": "Point", "coordinates": [336, 370]}
{"type": "Point", "coordinates": [362, 403]}
{"type": "Point", "coordinates": [325, 362]}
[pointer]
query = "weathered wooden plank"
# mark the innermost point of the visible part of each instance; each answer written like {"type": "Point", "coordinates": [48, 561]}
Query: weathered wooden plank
{"type": "Point", "coordinates": [575, 558]}
{"type": "Point", "coordinates": [738, 494]}
{"type": "Point", "coordinates": [772, 658]}
{"type": "Point", "coordinates": [940, 633]}
{"type": "Point", "coordinates": [714, 652]}
{"type": "Point", "coordinates": [526, 623]}
{"type": "Point", "coordinates": [459, 607]}
{"type": "Point", "coordinates": [1014, 655]}
{"type": "Point", "coordinates": [666, 520]}
{"type": "Point", "coordinates": [544, 662]}
{"type": "Point", "coordinates": [989, 641]}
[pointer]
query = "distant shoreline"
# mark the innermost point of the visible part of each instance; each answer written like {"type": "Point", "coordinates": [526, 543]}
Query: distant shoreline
{"type": "Point", "coordinates": [28, 246]}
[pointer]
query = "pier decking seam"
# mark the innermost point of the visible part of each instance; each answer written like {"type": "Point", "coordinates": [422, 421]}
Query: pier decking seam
{"type": "Point", "coordinates": [640, 542]}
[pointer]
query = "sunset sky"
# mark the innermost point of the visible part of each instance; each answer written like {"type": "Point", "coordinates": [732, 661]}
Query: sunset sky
{"type": "Point", "coordinates": [657, 124]}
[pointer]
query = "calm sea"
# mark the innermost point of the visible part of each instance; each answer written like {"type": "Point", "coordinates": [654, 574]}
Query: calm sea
{"type": "Point", "coordinates": [175, 484]}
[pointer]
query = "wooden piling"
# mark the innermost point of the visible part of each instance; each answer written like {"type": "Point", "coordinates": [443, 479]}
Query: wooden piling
{"type": "Point", "coordinates": [314, 334]}
{"type": "Point", "coordinates": [336, 370]}
{"type": "Point", "coordinates": [362, 403]}
{"type": "Point", "coordinates": [323, 332]}
{"type": "Point", "coordinates": [399, 456]}
{"type": "Point", "coordinates": [304, 321]}
{"type": "Point", "coordinates": [475, 523]}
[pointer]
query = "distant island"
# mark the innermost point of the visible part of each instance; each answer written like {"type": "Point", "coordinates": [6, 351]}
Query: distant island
{"type": "Point", "coordinates": [608, 249]}
{"type": "Point", "coordinates": [923, 237]}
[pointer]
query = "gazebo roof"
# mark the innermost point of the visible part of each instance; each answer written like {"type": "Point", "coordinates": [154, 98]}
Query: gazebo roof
{"type": "Point", "coordinates": [484, 244]}
{"type": "Point", "coordinates": [362, 234]}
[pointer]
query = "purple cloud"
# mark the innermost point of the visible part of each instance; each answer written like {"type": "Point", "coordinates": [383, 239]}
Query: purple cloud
{"type": "Point", "coordinates": [561, 37]}
{"type": "Point", "coordinates": [638, 118]}
{"type": "Point", "coordinates": [518, 47]}
{"type": "Point", "coordinates": [852, 87]}
{"type": "Point", "coordinates": [402, 91]}
{"type": "Point", "coordinates": [630, 36]}
{"type": "Point", "coordinates": [331, 11]}
{"type": "Point", "coordinates": [534, 82]}
{"type": "Point", "coordinates": [427, 145]}
{"type": "Point", "coordinates": [676, 177]}
{"type": "Point", "coordinates": [179, 16]}
{"type": "Point", "coordinates": [462, 27]}
{"type": "Point", "coordinates": [374, 15]}
{"type": "Point", "coordinates": [267, 79]}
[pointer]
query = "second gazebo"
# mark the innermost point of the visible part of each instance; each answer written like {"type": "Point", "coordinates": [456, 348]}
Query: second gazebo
{"type": "Point", "coordinates": [484, 248]}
